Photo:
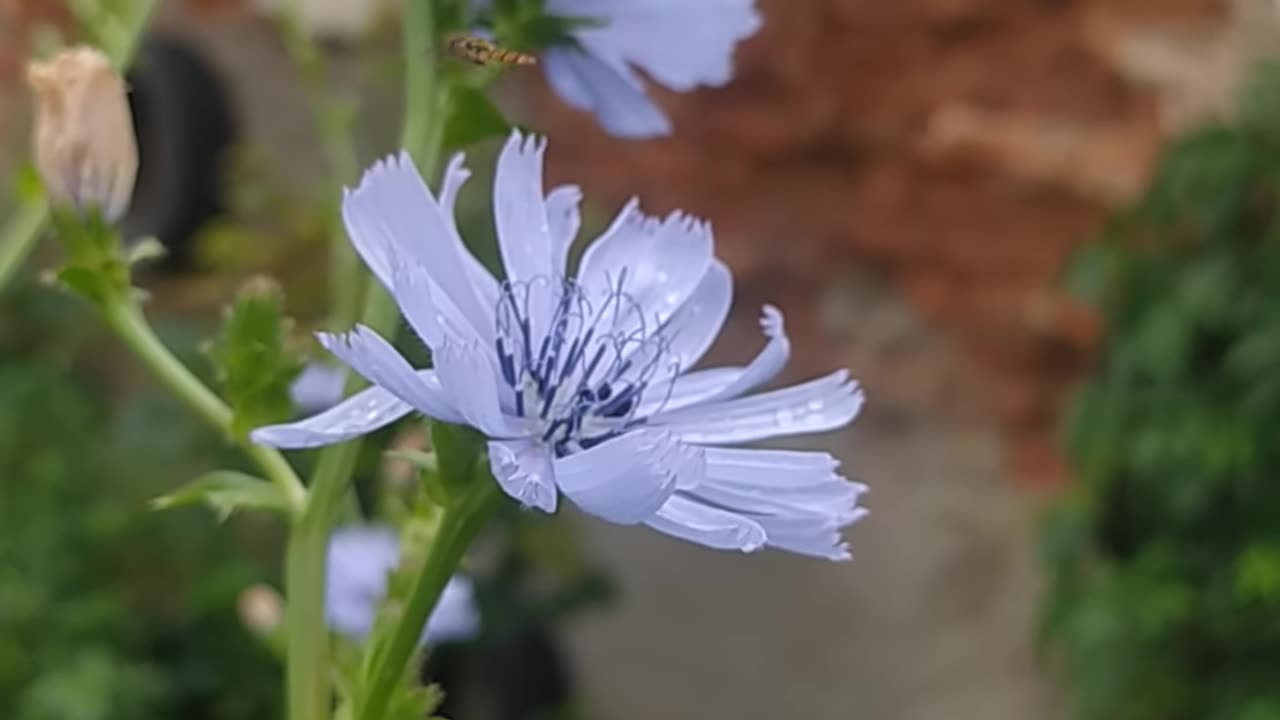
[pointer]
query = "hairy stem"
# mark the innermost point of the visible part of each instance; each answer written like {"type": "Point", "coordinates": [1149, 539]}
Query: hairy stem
{"type": "Point", "coordinates": [462, 522]}
{"type": "Point", "coordinates": [308, 689]}
{"type": "Point", "coordinates": [126, 320]}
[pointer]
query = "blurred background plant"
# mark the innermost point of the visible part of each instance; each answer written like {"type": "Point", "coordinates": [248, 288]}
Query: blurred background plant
{"type": "Point", "coordinates": [1164, 559]}
{"type": "Point", "coordinates": [109, 610]}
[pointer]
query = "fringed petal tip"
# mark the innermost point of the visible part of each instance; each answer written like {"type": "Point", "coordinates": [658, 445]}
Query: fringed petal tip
{"type": "Point", "coordinates": [382, 169]}
{"type": "Point", "coordinates": [524, 471]}
{"type": "Point", "coordinates": [771, 321]}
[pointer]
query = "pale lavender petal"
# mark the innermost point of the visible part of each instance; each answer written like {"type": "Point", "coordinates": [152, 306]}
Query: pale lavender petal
{"type": "Point", "coordinates": [318, 387]}
{"type": "Point", "coordinates": [697, 522]}
{"type": "Point", "coordinates": [612, 93]}
{"type": "Point", "coordinates": [625, 480]}
{"type": "Point", "coordinates": [766, 365]}
{"type": "Point", "coordinates": [658, 264]}
{"type": "Point", "coordinates": [565, 220]}
{"type": "Point", "coordinates": [411, 288]}
{"type": "Point", "coordinates": [469, 378]}
{"type": "Point", "coordinates": [804, 536]}
{"type": "Point", "coordinates": [520, 209]}
{"type": "Point", "coordinates": [524, 226]}
{"type": "Point", "coordinates": [359, 561]}
{"type": "Point", "coordinates": [393, 216]}
{"type": "Point", "coordinates": [816, 406]}
{"type": "Point", "coordinates": [360, 414]}
{"type": "Point", "coordinates": [686, 390]}
{"type": "Point", "coordinates": [369, 354]}
{"type": "Point", "coordinates": [797, 497]}
{"type": "Point", "coordinates": [456, 175]}
{"type": "Point", "coordinates": [680, 43]}
{"type": "Point", "coordinates": [523, 469]}
{"type": "Point", "coordinates": [456, 617]}
{"type": "Point", "coordinates": [772, 468]}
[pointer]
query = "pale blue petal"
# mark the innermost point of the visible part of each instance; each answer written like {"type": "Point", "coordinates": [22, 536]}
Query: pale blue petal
{"type": "Point", "coordinates": [816, 406]}
{"type": "Point", "coordinates": [524, 471]}
{"type": "Point", "coordinates": [796, 497]}
{"type": "Point", "coordinates": [714, 384]}
{"type": "Point", "coordinates": [360, 414]}
{"type": "Point", "coordinates": [468, 376]}
{"type": "Point", "coordinates": [318, 387]}
{"type": "Point", "coordinates": [804, 536]}
{"type": "Point", "coordinates": [456, 617]}
{"type": "Point", "coordinates": [696, 522]}
{"type": "Point", "coordinates": [771, 468]}
{"type": "Point", "coordinates": [524, 226]}
{"type": "Point", "coordinates": [378, 362]}
{"type": "Point", "coordinates": [625, 480]}
{"type": "Point", "coordinates": [520, 209]}
{"type": "Point", "coordinates": [565, 220]}
{"type": "Point", "coordinates": [359, 562]}
{"type": "Point", "coordinates": [693, 328]}
{"type": "Point", "coordinates": [686, 390]}
{"type": "Point", "coordinates": [658, 264]}
{"type": "Point", "coordinates": [680, 43]}
{"type": "Point", "coordinates": [614, 95]}
{"type": "Point", "coordinates": [766, 365]}
{"type": "Point", "coordinates": [689, 334]}
{"type": "Point", "coordinates": [456, 175]}
{"type": "Point", "coordinates": [392, 218]}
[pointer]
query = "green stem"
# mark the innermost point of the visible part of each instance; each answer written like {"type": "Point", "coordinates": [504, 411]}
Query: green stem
{"type": "Point", "coordinates": [19, 237]}
{"type": "Point", "coordinates": [127, 321]}
{"type": "Point", "coordinates": [459, 526]}
{"type": "Point", "coordinates": [308, 663]}
{"type": "Point", "coordinates": [332, 123]}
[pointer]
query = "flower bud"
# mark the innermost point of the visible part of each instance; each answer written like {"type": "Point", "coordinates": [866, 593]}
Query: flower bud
{"type": "Point", "coordinates": [85, 147]}
{"type": "Point", "coordinates": [261, 609]}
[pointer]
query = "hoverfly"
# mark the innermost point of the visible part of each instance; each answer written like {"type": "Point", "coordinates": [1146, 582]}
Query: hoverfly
{"type": "Point", "coordinates": [482, 52]}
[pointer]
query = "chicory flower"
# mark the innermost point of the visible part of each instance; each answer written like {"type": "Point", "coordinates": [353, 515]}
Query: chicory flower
{"type": "Point", "coordinates": [359, 560]}
{"type": "Point", "coordinates": [584, 382]}
{"type": "Point", "coordinates": [679, 44]}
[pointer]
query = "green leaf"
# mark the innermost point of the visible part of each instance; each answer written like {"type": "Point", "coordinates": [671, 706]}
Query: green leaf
{"type": "Point", "coordinates": [226, 491]}
{"type": "Point", "coordinates": [254, 367]}
{"type": "Point", "coordinates": [27, 184]}
{"type": "Point", "coordinates": [1258, 574]}
{"type": "Point", "coordinates": [472, 118]}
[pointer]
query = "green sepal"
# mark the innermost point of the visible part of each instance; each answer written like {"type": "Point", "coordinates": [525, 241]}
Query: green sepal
{"type": "Point", "coordinates": [95, 267]}
{"type": "Point", "coordinates": [254, 367]}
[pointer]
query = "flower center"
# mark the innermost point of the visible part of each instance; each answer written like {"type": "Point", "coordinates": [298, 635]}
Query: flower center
{"type": "Point", "coordinates": [580, 373]}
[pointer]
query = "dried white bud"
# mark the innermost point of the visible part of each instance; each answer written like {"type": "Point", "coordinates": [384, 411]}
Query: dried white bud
{"type": "Point", "coordinates": [85, 147]}
{"type": "Point", "coordinates": [261, 609]}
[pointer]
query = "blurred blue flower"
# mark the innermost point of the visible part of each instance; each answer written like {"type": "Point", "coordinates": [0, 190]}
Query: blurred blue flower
{"type": "Point", "coordinates": [679, 44]}
{"type": "Point", "coordinates": [360, 558]}
{"type": "Point", "coordinates": [583, 383]}
{"type": "Point", "coordinates": [318, 387]}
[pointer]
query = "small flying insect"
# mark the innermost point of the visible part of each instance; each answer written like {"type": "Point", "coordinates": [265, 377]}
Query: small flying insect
{"type": "Point", "coordinates": [482, 52]}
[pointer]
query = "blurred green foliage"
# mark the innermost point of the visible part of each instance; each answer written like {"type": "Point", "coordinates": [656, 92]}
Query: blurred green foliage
{"type": "Point", "coordinates": [1164, 560]}
{"type": "Point", "coordinates": [108, 610]}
